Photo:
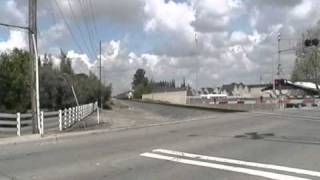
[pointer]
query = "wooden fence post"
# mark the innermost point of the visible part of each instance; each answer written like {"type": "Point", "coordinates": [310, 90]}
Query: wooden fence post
{"type": "Point", "coordinates": [85, 110]}
{"type": "Point", "coordinates": [98, 115]}
{"type": "Point", "coordinates": [18, 124]}
{"type": "Point", "coordinates": [69, 117]}
{"type": "Point", "coordinates": [65, 119]}
{"type": "Point", "coordinates": [60, 120]}
{"type": "Point", "coordinates": [73, 115]}
{"type": "Point", "coordinates": [42, 123]}
{"type": "Point", "coordinates": [76, 114]}
{"type": "Point", "coordinates": [81, 112]}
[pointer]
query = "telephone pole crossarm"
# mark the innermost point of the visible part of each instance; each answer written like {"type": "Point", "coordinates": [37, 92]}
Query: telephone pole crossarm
{"type": "Point", "coordinates": [15, 26]}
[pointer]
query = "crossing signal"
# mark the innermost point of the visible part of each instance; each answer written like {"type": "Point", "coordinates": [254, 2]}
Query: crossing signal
{"type": "Point", "coordinates": [311, 42]}
{"type": "Point", "coordinates": [315, 42]}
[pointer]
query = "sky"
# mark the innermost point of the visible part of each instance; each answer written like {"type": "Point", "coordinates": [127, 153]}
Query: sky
{"type": "Point", "coordinates": [207, 42]}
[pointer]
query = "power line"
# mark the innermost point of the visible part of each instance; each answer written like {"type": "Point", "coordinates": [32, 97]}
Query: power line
{"type": "Point", "coordinates": [79, 28]}
{"type": "Point", "coordinates": [90, 19]}
{"type": "Point", "coordinates": [53, 16]}
{"type": "Point", "coordinates": [93, 17]}
{"type": "Point", "coordinates": [94, 22]}
{"type": "Point", "coordinates": [93, 31]}
{"type": "Point", "coordinates": [81, 3]}
{"type": "Point", "coordinates": [68, 27]}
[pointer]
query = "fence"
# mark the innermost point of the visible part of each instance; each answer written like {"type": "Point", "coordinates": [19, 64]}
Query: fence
{"type": "Point", "coordinates": [49, 121]}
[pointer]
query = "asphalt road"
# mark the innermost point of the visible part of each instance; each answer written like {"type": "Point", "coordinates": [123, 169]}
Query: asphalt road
{"type": "Point", "coordinates": [289, 139]}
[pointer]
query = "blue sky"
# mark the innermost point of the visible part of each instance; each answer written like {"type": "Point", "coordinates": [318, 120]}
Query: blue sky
{"type": "Point", "coordinates": [236, 38]}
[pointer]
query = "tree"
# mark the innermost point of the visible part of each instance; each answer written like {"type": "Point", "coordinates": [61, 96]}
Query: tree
{"type": "Point", "coordinates": [55, 83]}
{"type": "Point", "coordinates": [65, 64]}
{"type": "Point", "coordinates": [142, 89]}
{"type": "Point", "coordinates": [183, 85]}
{"type": "Point", "coordinates": [173, 83]}
{"type": "Point", "coordinates": [15, 81]}
{"type": "Point", "coordinates": [139, 78]}
{"type": "Point", "coordinates": [141, 84]}
{"type": "Point", "coordinates": [87, 88]}
{"type": "Point", "coordinates": [307, 64]}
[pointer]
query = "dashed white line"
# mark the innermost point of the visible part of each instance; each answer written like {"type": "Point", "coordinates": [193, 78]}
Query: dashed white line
{"type": "Point", "coordinates": [253, 172]}
{"type": "Point", "coordinates": [238, 162]}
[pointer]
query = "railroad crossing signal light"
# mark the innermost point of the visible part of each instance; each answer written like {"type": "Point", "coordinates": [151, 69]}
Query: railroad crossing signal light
{"type": "Point", "coordinates": [311, 42]}
{"type": "Point", "coordinates": [315, 42]}
{"type": "Point", "coordinates": [307, 42]}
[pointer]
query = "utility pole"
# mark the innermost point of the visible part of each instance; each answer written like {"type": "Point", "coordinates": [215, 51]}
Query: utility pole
{"type": "Point", "coordinates": [279, 61]}
{"type": "Point", "coordinates": [197, 70]}
{"type": "Point", "coordinates": [100, 85]}
{"type": "Point", "coordinates": [32, 37]}
{"type": "Point", "coordinates": [315, 51]}
{"type": "Point", "coordinates": [273, 79]}
{"type": "Point", "coordinates": [32, 46]}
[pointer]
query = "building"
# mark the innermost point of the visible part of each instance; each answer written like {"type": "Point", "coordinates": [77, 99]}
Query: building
{"type": "Point", "coordinates": [169, 95]}
{"type": "Point", "coordinates": [242, 90]}
{"type": "Point", "coordinates": [234, 89]}
{"type": "Point", "coordinates": [255, 90]}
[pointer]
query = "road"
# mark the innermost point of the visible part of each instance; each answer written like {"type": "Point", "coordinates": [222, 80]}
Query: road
{"type": "Point", "coordinates": [204, 145]}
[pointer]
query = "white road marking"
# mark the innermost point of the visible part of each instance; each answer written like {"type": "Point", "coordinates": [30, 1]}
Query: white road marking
{"type": "Point", "coordinates": [238, 162]}
{"type": "Point", "coordinates": [253, 172]}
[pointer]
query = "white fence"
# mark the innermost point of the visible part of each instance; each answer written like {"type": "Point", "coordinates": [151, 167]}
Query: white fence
{"type": "Point", "coordinates": [49, 121]}
{"type": "Point", "coordinates": [15, 123]}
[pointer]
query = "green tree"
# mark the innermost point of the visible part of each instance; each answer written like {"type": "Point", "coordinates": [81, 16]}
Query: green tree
{"type": "Point", "coordinates": [55, 83]}
{"type": "Point", "coordinates": [142, 89]}
{"type": "Point", "coordinates": [87, 88]}
{"type": "Point", "coordinates": [140, 84]}
{"type": "Point", "coordinates": [139, 78]}
{"type": "Point", "coordinates": [307, 64]}
{"type": "Point", "coordinates": [55, 89]}
{"type": "Point", "coordinates": [65, 64]}
{"type": "Point", "coordinates": [15, 81]}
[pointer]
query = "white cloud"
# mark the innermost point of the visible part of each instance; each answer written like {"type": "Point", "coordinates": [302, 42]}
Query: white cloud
{"type": "Point", "coordinates": [302, 10]}
{"type": "Point", "coordinates": [80, 62]}
{"type": "Point", "coordinates": [112, 50]}
{"type": "Point", "coordinates": [215, 15]}
{"type": "Point", "coordinates": [236, 39]}
{"type": "Point", "coordinates": [119, 11]}
{"type": "Point", "coordinates": [17, 39]}
{"type": "Point", "coordinates": [11, 13]}
{"type": "Point", "coordinates": [215, 7]}
{"type": "Point", "coordinates": [168, 16]}
{"type": "Point", "coordinates": [53, 37]}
